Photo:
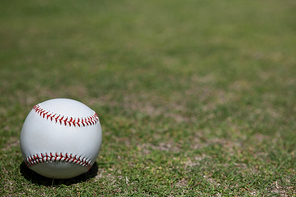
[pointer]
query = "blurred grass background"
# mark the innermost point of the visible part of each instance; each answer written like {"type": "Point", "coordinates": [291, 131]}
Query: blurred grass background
{"type": "Point", "coordinates": [194, 97]}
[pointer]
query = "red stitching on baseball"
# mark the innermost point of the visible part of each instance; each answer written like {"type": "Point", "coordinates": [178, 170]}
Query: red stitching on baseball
{"type": "Point", "coordinates": [70, 121]}
{"type": "Point", "coordinates": [36, 159]}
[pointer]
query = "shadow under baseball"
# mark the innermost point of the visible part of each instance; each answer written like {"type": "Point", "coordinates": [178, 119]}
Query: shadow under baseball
{"type": "Point", "coordinates": [35, 178]}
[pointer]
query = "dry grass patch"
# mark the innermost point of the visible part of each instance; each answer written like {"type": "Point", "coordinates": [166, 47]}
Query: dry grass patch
{"type": "Point", "coordinates": [169, 147]}
{"type": "Point", "coordinates": [278, 188]}
{"type": "Point", "coordinates": [13, 141]}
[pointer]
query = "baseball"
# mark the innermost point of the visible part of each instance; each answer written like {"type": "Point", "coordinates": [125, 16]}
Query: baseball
{"type": "Point", "coordinates": [61, 138]}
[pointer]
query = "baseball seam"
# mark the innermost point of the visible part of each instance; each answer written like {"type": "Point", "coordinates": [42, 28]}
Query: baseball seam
{"type": "Point", "coordinates": [42, 158]}
{"type": "Point", "coordinates": [70, 121]}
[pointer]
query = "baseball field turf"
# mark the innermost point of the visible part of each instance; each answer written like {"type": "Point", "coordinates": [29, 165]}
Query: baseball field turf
{"type": "Point", "coordinates": [195, 97]}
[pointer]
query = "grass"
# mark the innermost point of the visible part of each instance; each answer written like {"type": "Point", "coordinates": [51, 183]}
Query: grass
{"type": "Point", "coordinates": [195, 98]}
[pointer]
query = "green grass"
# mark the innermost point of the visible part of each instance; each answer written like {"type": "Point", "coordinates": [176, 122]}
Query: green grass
{"type": "Point", "coordinates": [195, 98]}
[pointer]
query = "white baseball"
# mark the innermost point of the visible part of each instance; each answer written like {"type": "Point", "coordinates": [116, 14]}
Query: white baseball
{"type": "Point", "coordinates": [61, 138]}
